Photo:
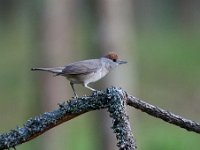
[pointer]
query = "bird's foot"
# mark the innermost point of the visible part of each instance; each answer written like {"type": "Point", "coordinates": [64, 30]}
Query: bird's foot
{"type": "Point", "coordinates": [75, 96]}
{"type": "Point", "coordinates": [96, 92]}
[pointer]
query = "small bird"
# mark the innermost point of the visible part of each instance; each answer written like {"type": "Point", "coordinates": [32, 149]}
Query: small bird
{"type": "Point", "coordinates": [86, 71]}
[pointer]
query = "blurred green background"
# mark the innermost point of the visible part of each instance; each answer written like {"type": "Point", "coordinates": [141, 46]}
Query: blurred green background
{"type": "Point", "coordinates": [160, 40]}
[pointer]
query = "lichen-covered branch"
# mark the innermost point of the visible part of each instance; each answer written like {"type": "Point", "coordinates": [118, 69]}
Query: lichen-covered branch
{"type": "Point", "coordinates": [73, 108]}
{"type": "Point", "coordinates": [114, 99]}
{"type": "Point", "coordinates": [163, 114]}
{"type": "Point", "coordinates": [121, 124]}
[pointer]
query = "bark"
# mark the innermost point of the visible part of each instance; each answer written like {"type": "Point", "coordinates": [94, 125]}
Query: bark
{"type": "Point", "coordinates": [113, 99]}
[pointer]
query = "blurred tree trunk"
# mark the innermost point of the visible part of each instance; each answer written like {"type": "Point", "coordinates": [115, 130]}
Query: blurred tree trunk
{"type": "Point", "coordinates": [147, 13]}
{"type": "Point", "coordinates": [116, 33]}
{"type": "Point", "coordinates": [189, 13]}
{"type": "Point", "coordinates": [57, 48]}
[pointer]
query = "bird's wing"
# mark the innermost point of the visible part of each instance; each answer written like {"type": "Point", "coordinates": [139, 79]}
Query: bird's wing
{"type": "Point", "coordinates": [81, 67]}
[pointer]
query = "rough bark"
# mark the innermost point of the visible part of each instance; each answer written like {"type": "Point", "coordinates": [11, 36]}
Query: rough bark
{"type": "Point", "coordinates": [113, 99]}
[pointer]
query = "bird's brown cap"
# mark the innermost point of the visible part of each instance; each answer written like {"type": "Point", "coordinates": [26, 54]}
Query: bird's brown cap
{"type": "Point", "coordinates": [112, 55]}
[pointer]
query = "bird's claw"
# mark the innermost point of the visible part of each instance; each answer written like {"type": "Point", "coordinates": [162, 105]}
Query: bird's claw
{"type": "Point", "coordinates": [75, 96]}
{"type": "Point", "coordinates": [96, 92]}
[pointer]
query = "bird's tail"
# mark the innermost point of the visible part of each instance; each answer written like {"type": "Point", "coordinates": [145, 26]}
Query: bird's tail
{"type": "Point", "coordinates": [55, 70]}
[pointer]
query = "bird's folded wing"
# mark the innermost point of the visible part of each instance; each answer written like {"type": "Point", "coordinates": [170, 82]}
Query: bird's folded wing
{"type": "Point", "coordinates": [82, 67]}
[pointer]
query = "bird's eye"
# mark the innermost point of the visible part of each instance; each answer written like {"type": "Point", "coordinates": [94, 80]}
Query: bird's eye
{"type": "Point", "coordinates": [114, 60]}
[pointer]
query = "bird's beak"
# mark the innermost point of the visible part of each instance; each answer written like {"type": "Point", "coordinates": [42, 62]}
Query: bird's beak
{"type": "Point", "coordinates": [121, 62]}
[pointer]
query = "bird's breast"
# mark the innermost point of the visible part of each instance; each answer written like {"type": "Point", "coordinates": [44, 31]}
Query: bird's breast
{"type": "Point", "coordinates": [87, 78]}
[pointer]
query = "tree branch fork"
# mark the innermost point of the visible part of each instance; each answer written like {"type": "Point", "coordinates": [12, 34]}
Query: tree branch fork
{"type": "Point", "coordinates": [114, 99]}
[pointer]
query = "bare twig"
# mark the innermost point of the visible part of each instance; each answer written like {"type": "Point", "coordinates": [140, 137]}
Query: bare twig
{"type": "Point", "coordinates": [114, 99]}
{"type": "Point", "coordinates": [163, 114]}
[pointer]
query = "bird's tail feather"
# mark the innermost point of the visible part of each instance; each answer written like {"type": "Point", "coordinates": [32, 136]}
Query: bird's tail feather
{"type": "Point", "coordinates": [55, 70]}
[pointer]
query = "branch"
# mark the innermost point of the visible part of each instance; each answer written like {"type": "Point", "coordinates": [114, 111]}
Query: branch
{"type": "Point", "coordinates": [163, 114]}
{"type": "Point", "coordinates": [114, 99]}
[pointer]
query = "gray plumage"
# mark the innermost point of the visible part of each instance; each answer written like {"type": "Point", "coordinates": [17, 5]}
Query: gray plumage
{"type": "Point", "coordinates": [82, 67]}
{"type": "Point", "coordinates": [86, 71]}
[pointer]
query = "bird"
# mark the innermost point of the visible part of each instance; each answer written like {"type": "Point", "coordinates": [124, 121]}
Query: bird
{"type": "Point", "coordinates": [86, 71]}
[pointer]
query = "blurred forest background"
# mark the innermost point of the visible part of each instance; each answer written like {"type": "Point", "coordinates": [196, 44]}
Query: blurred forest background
{"type": "Point", "coordinates": [160, 39]}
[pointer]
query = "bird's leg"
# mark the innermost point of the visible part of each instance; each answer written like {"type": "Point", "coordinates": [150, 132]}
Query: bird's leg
{"type": "Point", "coordinates": [72, 85]}
{"type": "Point", "coordinates": [85, 85]}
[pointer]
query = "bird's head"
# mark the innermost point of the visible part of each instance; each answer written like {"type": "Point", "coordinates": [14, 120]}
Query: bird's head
{"type": "Point", "coordinates": [114, 57]}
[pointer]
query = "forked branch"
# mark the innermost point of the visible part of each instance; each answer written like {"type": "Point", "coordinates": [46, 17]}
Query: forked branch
{"type": "Point", "coordinates": [114, 99]}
